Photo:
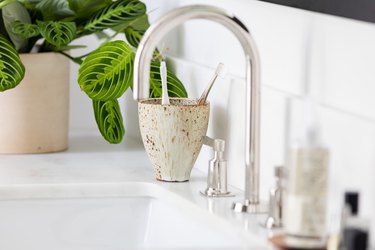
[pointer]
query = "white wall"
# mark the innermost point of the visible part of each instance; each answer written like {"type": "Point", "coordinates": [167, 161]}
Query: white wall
{"type": "Point", "coordinates": [335, 55]}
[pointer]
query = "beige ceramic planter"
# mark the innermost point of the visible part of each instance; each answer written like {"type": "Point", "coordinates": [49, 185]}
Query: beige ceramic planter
{"type": "Point", "coordinates": [173, 135]}
{"type": "Point", "coordinates": [34, 115]}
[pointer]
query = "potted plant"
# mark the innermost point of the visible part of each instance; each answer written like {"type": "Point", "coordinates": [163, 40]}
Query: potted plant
{"type": "Point", "coordinates": [45, 28]}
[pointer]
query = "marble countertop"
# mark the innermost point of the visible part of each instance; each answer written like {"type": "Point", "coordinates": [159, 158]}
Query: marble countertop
{"type": "Point", "coordinates": [91, 160]}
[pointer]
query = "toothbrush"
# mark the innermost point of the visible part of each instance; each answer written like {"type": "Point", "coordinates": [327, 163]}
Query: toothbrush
{"type": "Point", "coordinates": [163, 76]}
{"type": "Point", "coordinates": [220, 71]}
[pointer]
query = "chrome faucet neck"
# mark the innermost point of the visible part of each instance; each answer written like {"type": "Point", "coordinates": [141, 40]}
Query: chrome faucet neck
{"type": "Point", "coordinates": [142, 84]}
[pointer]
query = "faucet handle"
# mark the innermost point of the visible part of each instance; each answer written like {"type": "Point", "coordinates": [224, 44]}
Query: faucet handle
{"type": "Point", "coordinates": [217, 144]}
{"type": "Point", "coordinates": [217, 170]}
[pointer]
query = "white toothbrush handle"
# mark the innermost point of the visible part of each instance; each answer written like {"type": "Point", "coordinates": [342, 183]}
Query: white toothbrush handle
{"type": "Point", "coordinates": [163, 76]}
{"type": "Point", "coordinates": [219, 72]}
{"type": "Point", "coordinates": [204, 95]}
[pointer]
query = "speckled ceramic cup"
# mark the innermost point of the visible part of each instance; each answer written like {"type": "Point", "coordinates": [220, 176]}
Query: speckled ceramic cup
{"type": "Point", "coordinates": [173, 135]}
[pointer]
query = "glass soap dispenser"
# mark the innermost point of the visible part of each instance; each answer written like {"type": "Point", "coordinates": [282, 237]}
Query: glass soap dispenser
{"type": "Point", "coordinates": [306, 186]}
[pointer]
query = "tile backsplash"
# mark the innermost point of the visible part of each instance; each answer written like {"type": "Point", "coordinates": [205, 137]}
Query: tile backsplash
{"type": "Point", "coordinates": [334, 55]}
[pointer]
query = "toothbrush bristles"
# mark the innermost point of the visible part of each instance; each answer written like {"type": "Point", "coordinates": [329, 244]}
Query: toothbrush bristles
{"type": "Point", "coordinates": [221, 70]}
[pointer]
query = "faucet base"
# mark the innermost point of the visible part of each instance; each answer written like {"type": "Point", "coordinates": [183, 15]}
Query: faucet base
{"type": "Point", "coordinates": [247, 207]}
{"type": "Point", "coordinates": [212, 193]}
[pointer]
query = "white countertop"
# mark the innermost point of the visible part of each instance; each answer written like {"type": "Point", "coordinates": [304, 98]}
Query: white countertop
{"type": "Point", "coordinates": [91, 160]}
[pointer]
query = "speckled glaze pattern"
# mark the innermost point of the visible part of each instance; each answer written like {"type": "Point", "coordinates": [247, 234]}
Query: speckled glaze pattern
{"type": "Point", "coordinates": [172, 135]}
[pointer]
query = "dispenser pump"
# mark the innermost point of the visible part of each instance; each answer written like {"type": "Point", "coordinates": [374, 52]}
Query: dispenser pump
{"type": "Point", "coordinates": [217, 170]}
{"type": "Point", "coordinates": [312, 130]}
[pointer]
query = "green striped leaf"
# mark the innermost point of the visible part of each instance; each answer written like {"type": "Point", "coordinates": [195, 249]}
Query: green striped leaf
{"type": "Point", "coordinates": [109, 120]}
{"type": "Point", "coordinates": [133, 36]}
{"type": "Point", "coordinates": [107, 72]}
{"type": "Point", "coordinates": [11, 13]}
{"type": "Point", "coordinates": [175, 86]}
{"type": "Point", "coordinates": [84, 9]}
{"type": "Point", "coordinates": [25, 30]}
{"type": "Point", "coordinates": [54, 9]}
{"type": "Point", "coordinates": [136, 29]}
{"type": "Point", "coordinates": [12, 70]}
{"type": "Point", "coordinates": [57, 33]}
{"type": "Point", "coordinates": [118, 13]}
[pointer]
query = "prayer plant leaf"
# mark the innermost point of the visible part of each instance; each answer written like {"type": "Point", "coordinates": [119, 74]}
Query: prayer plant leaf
{"type": "Point", "coordinates": [135, 30]}
{"type": "Point", "coordinates": [11, 13]}
{"type": "Point", "coordinates": [107, 72]}
{"type": "Point", "coordinates": [133, 36]}
{"type": "Point", "coordinates": [25, 30]}
{"type": "Point", "coordinates": [109, 120]}
{"type": "Point", "coordinates": [84, 9]}
{"type": "Point", "coordinates": [12, 70]}
{"type": "Point", "coordinates": [175, 86]}
{"type": "Point", "coordinates": [118, 13]}
{"type": "Point", "coordinates": [58, 33]}
{"type": "Point", "coordinates": [4, 3]}
{"type": "Point", "coordinates": [54, 9]}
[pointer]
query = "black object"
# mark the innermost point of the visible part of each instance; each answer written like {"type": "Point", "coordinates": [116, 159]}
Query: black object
{"type": "Point", "coordinates": [363, 10]}
{"type": "Point", "coordinates": [351, 201]}
{"type": "Point", "coordinates": [354, 239]}
{"type": "Point", "coordinates": [355, 233]}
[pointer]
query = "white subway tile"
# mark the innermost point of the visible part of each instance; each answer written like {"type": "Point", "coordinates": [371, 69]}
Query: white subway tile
{"type": "Point", "coordinates": [352, 145]}
{"type": "Point", "coordinates": [279, 32]}
{"type": "Point", "coordinates": [347, 64]}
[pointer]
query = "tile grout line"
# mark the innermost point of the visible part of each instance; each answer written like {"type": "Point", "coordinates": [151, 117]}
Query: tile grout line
{"type": "Point", "coordinates": [281, 91]}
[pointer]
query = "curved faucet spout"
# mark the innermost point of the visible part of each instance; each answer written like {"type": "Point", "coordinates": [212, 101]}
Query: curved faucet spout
{"type": "Point", "coordinates": [142, 76]}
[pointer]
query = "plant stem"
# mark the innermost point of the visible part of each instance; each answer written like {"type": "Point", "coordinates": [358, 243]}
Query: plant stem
{"type": "Point", "coordinates": [84, 55]}
{"type": "Point", "coordinates": [77, 60]}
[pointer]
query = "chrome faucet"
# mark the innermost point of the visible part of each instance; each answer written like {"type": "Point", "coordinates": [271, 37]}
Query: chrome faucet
{"type": "Point", "coordinates": [142, 76]}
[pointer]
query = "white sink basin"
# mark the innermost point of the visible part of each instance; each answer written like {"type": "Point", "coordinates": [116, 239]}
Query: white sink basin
{"type": "Point", "coordinates": [106, 217]}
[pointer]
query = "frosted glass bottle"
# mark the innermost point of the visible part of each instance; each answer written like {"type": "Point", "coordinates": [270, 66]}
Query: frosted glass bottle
{"type": "Point", "coordinates": [306, 192]}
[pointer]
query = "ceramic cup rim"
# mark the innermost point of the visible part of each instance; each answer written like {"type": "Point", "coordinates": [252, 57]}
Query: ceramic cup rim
{"type": "Point", "coordinates": [194, 102]}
